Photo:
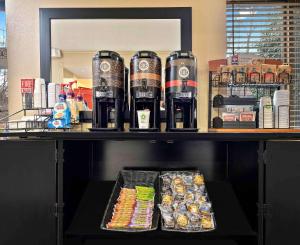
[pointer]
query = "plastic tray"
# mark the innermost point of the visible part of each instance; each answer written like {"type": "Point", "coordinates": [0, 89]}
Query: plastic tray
{"type": "Point", "coordinates": [181, 230]}
{"type": "Point", "coordinates": [129, 179]}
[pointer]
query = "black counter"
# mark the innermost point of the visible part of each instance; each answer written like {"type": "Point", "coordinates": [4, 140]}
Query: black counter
{"type": "Point", "coordinates": [157, 136]}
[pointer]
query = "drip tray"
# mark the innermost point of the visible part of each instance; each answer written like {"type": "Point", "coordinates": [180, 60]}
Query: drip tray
{"type": "Point", "coordinates": [103, 129]}
{"type": "Point", "coordinates": [144, 129]}
{"type": "Point", "coordinates": [183, 129]}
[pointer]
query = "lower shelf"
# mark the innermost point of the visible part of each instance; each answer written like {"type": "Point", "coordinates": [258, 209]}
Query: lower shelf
{"type": "Point", "coordinates": [231, 221]}
{"type": "Point", "coordinates": [75, 241]}
{"type": "Point", "coordinates": [178, 241]}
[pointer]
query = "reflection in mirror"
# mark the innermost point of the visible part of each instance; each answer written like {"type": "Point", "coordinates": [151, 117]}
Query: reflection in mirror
{"type": "Point", "coordinates": [74, 42]}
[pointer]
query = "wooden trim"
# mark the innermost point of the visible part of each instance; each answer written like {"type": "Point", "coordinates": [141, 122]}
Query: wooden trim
{"type": "Point", "coordinates": [254, 130]}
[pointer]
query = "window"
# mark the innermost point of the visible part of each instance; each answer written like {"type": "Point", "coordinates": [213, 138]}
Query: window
{"type": "Point", "coordinates": [3, 67]}
{"type": "Point", "coordinates": [271, 30]}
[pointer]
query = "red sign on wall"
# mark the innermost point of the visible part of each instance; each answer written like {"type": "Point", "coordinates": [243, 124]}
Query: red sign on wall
{"type": "Point", "coordinates": [27, 86]}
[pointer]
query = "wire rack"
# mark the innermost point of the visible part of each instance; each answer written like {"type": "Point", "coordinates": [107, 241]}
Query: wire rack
{"type": "Point", "coordinates": [38, 121]}
{"type": "Point", "coordinates": [235, 93]}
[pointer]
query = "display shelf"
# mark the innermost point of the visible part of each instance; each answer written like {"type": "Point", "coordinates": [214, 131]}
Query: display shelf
{"type": "Point", "coordinates": [178, 241]}
{"type": "Point", "coordinates": [230, 219]}
{"type": "Point", "coordinates": [212, 134]}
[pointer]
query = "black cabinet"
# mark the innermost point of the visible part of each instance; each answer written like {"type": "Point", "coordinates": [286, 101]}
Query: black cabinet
{"type": "Point", "coordinates": [282, 195]}
{"type": "Point", "coordinates": [53, 191]}
{"type": "Point", "coordinates": [91, 167]}
{"type": "Point", "coordinates": [27, 192]}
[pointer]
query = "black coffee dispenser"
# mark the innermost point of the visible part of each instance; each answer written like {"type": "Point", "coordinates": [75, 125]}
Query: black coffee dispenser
{"type": "Point", "coordinates": [126, 103]}
{"type": "Point", "coordinates": [108, 91]}
{"type": "Point", "coordinates": [145, 89]}
{"type": "Point", "coordinates": [181, 91]}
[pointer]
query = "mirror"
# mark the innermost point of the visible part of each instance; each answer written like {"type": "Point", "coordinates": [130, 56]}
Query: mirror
{"type": "Point", "coordinates": [74, 42]}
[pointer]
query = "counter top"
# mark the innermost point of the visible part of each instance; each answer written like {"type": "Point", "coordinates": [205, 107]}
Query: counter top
{"type": "Point", "coordinates": [241, 135]}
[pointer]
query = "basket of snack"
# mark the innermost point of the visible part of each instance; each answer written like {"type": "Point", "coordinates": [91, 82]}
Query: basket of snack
{"type": "Point", "coordinates": [185, 205]}
{"type": "Point", "coordinates": [132, 206]}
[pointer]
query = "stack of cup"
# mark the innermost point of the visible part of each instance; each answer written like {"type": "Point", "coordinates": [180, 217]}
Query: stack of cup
{"type": "Point", "coordinates": [53, 93]}
{"type": "Point", "coordinates": [40, 93]}
{"type": "Point", "coordinates": [281, 103]}
{"type": "Point", "coordinates": [266, 113]}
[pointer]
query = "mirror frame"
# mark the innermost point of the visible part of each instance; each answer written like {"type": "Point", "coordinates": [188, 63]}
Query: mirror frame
{"type": "Point", "coordinates": [47, 14]}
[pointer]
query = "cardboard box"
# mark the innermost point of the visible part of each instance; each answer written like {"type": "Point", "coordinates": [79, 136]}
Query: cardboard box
{"type": "Point", "coordinates": [284, 73]}
{"type": "Point", "coordinates": [258, 61]}
{"type": "Point", "coordinates": [254, 73]}
{"type": "Point", "coordinates": [268, 73]}
{"type": "Point", "coordinates": [273, 62]}
{"type": "Point", "coordinates": [240, 72]}
{"type": "Point", "coordinates": [214, 65]}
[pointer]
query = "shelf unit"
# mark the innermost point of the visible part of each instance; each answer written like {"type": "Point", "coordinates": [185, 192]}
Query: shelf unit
{"type": "Point", "coordinates": [235, 94]}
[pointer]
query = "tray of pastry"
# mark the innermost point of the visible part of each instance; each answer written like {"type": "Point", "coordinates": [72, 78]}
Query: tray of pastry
{"type": "Point", "coordinates": [184, 202]}
{"type": "Point", "coordinates": [132, 206]}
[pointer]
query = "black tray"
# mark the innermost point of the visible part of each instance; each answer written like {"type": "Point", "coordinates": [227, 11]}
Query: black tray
{"type": "Point", "coordinates": [129, 179]}
{"type": "Point", "coordinates": [163, 228]}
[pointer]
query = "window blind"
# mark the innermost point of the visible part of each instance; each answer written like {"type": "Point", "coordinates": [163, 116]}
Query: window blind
{"type": "Point", "coordinates": [270, 30]}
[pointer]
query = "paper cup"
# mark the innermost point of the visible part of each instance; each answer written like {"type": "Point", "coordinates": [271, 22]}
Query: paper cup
{"type": "Point", "coordinates": [143, 118]}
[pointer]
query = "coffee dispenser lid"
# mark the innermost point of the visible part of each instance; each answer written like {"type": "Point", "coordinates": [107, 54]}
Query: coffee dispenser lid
{"type": "Point", "coordinates": [180, 55]}
{"type": "Point", "coordinates": [108, 55]}
{"type": "Point", "coordinates": [145, 54]}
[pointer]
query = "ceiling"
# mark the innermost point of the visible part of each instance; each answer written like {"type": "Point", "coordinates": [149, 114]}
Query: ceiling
{"type": "Point", "coordinates": [116, 34]}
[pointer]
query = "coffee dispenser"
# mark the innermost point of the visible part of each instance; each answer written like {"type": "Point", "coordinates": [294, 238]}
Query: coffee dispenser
{"type": "Point", "coordinates": [108, 91]}
{"type": "Point", "coordinates": [145, 89]}
{"type": "Point", "coordinates": [126, 103]}
{"type": "Point", "coordinates": [181, 91]}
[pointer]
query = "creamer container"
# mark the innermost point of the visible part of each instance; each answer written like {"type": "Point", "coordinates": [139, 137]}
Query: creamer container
{"type": "Point", "coordinates": [61, 113]}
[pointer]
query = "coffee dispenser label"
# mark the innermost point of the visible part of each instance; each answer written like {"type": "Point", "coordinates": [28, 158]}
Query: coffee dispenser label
{"type": "Point", "coordinates": [141, 94]}
{"type": "Point", "coordinates": [183, 72]}
{"type": "Point", "coordinates": [104, 94]}
{"type": "Point", "coordinates": [105, 66]}
{"type": "Point", "coordinates": [144, 65]}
